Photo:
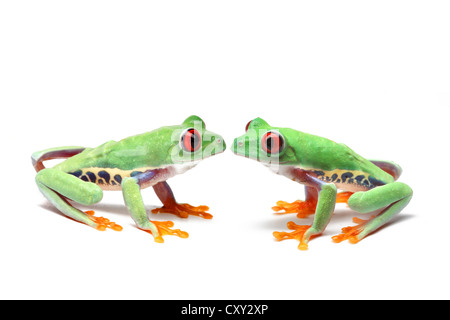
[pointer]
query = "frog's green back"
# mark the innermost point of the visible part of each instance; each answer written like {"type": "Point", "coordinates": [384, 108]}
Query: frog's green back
{"type": "Point", "coordinates": [314, 152]}
{"type": "Point", "coordinates": [143, 150]}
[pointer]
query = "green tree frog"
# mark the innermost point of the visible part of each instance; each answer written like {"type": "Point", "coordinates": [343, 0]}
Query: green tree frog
{"type": "Point", "coordinates": [324, 166]}
{"type": "Point", "coordinates": [131, 164]}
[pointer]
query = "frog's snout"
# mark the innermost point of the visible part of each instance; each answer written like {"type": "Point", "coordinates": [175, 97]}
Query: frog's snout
{"type": "Point", "coordinates": [234, 147]}
{"type": "Point", "coordinates": [245, 146]}
{"type": "Point", "coordinates": [219, 143]}
{"type": "Point", "coordinates": [238, 146]}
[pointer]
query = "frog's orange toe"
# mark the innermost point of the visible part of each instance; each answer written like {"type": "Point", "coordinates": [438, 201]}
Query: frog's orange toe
{"type": "Point", "coordinates": [184, 210]}
{"type": "Point", "coordinates": [351, 233]}
{"type": "Point", "coordinates": [297, 234]}
{"type": "Point", "coordinates": [103, 223]}
{"type": "Point", "coordinates": [302, 208]}
{"type": "Point", "coordinates": [342, 197]}
{"type": "Point", "coordinates": [165, 228]}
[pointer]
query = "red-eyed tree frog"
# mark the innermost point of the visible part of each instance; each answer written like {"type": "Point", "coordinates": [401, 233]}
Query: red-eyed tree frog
{"type": "Point", "coordinates": [324, 166]}
{"type": "Point", "coordinates": [131, 164]}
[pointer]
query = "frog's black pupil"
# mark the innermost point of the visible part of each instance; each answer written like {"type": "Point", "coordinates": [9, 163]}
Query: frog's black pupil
{"type": "Point", "coordinates": [269, 144]}
{"type": "Point", "coordinates": [191, 140]}
{"type": "Point", "coordinates": [280, 143]}
{"type": "Point", "coordinates": [194, 140]}
{"type": "Point", "coordinates": [274, 143]}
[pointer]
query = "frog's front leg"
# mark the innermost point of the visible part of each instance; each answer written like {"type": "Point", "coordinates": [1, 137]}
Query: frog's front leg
{"type": "Point", "coordinates": [58, 186]}
{"type": "Point", "coordinates": [325, 206]}
{"type": "Point", "coordinates": [183, 210]}
{"type": "Point", "coordinates": [131, 187]}
{"type": "Point", "coordinates": [393, 197]}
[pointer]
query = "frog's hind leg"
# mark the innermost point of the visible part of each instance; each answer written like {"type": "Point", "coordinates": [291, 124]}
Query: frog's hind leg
{"type": "Point", "coordinates": [392, 197]}
{"type": "Point", "coordinates": [37, 158]}
{"type": "Point", "coordinates": [183, 210]}
{"type": "Point", "coordinates": [57, 186]}
{"type": "Point", "coordinates": [342, 197]}
{"type": "Point", "coordinates": [390, 167]}
{"type": "Point", "coordinates": [302, 208]}
{"type": "Point", "coordinates": [308, 206]}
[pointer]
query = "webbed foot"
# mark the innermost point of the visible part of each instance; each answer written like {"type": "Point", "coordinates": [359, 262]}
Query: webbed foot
{"type": "Point", "coordinates": [103, 223]}
{"type": "Point", "coordinates": [163, 228]}
{"type": "Point", "coordinates": [302, 208]}
{"type": "Point", "coordinates": [351, 233]}
{"type": "Point", "coordinates": [184, 210]}
{"type": "Point", "coordinates": [302, 233]}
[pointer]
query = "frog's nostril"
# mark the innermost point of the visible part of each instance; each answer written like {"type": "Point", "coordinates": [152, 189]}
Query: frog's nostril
{"type": "Point", "coordinates": [219, 140]}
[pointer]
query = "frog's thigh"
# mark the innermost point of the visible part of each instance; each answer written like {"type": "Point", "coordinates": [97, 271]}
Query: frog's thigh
{"type": "Point", "coordinates": [388, 166]}
{"type": "Point", "coordinates": [393, 197]}
{"type": "Point", "coordinates": [70, 186]}
{"type": "Point", "coordinates": [53, 183]}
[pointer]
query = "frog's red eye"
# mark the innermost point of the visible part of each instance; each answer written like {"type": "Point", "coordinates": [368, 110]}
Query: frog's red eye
{"type": "Point", "coordinates": [248, 124]}
{"type": "Point", "coordinates": [272, 142]}
{"type": "Point", "coordinates": [191, 140]}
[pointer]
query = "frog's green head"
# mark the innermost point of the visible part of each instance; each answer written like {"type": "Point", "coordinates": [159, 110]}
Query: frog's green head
{"type": "Point", "coordinates": [187, 142]}
{"type": "Point", "coordinates": [266, 144]}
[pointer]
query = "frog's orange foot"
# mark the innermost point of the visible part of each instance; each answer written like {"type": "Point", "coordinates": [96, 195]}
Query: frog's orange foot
{"type": "Point", "coordinates": [183, 210]}
{"type": "Point", "coordinates": [342, 197]}
{"type": "Point", "coordinates": [165, 228]}
{"type": "Point", "coordinates": [297, 234]}
{"type": "Point", "coordinates": [351, 233]}
{"type": "Point", "coordinates": [103, 223]}
{"type": "Point", "coordinates": [302, 208]}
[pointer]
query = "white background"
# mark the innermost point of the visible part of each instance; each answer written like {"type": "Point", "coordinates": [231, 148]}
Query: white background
{"type": "Point", "coordinates": [373, 75]}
